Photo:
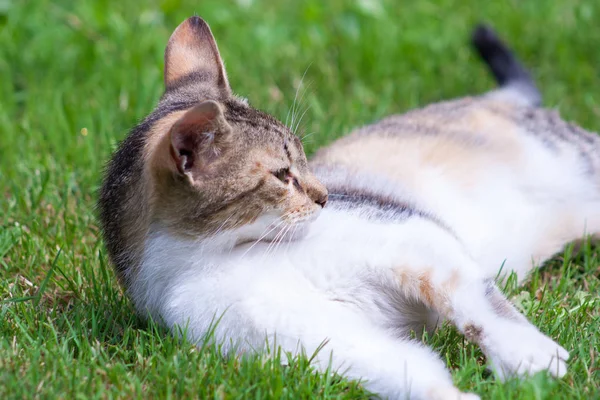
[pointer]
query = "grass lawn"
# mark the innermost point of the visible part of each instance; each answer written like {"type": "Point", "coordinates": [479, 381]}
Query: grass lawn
{"type": "Point", "coordinates": [75, 76]}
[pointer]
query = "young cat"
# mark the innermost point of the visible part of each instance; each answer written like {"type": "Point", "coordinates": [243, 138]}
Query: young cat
{"type": "Point", "coordinates": [210, 212]}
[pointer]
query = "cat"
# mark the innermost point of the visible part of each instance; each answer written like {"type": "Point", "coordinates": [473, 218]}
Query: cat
{"type": "Point", "coordinates": [215, 221]}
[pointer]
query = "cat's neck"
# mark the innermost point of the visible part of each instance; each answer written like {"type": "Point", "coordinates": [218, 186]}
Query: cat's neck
{"type": "Point", "coordinates": [216, 243]}
{"type": "Point", "coordinates": [219, 243]}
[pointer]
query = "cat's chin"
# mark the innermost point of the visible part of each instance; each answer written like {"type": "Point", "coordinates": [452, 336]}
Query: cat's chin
{"type": "Point", "coordinates": [288, 233]}
{"type": "Point", "coordinates": [268, 229]}
{"type": "Point", "coordinates": [297, 231]}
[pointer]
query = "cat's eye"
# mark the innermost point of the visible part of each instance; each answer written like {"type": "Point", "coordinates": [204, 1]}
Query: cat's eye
{"type": "Point", "coordinates": [283, 174]}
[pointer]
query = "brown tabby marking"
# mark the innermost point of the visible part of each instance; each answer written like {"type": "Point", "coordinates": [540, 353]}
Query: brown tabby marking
{"type": "Point", "coordinates": [502, 307]}
{"type": "Point", "coordinates": [473, 332]}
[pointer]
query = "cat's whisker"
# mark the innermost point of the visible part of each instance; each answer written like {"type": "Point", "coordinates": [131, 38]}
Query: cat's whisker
{"type": "Point", "coordinates": [272, 249]}
{"type": "Point", "coordinates": [274, 241]}
{"type": "Point", "coordinates": [269, 228]}
{"type": "Point", "coordinates": [218, 230]}
{"type": "Point", "coordinates": [300, 120]}
{"type": "Point", "coordinates": [294, 126]}
{"type": "Point", "coordinates": [293, 108]}
{"type": "Point", "coordinates": [295, 228]}
{"type": "Point", "coordinates": [278, 242]}
{"type": "Point", "coordinates": [273, 245]}
{"type": "Point", "coordinates": [273, 225]}
{"type": "Point", "coordinates": [277, 223]}
{"type": "Point", "coordinates": [306, 135]}
{"type": "Point", "coordinates": [282, 220]}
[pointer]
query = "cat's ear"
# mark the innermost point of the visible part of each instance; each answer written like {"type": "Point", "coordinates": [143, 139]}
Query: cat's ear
{"type": "Point", "coordinates": [192, 53]}
{"type": "Point", "coordinates": [199, 138]}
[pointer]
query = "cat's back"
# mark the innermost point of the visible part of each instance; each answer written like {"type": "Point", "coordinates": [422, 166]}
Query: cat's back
{"type": "Point", "coordinates": [489, 170]}
{"type": "Point", "coordinates": [460, 140]}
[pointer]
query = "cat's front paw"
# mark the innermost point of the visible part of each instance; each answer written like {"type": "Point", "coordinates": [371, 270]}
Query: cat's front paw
{"type": "Point", "coordinates": [517, 349]}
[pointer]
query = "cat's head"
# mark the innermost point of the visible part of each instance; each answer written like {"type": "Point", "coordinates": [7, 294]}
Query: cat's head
{"type": "Point", "coordinates": [220, 165]}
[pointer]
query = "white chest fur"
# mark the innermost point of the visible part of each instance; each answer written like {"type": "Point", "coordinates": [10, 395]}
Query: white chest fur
{"type": "Point", "coordinates": [358, 285]}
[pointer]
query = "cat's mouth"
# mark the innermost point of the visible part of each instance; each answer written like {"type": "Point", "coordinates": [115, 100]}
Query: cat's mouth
{"type": "Point", "coordinates": [301, 216]}
{"type": "Point", "coordinates": [288, 231]}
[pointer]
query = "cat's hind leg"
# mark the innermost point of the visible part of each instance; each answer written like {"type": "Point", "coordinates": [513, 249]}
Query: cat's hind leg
{"type": "Point", "coordinates": [505, 360]}
{"type": "Point", "coordinates": [576, 224]}
{"type": "Point", "coordinates": [512, 344]}
{"type": "Point", "coordinates": [445, 278]}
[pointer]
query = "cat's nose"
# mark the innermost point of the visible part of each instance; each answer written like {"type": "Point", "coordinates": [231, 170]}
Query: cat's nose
{"type": "Point", "coordinates": [316, 191]}
{"type": "Point", "coordinates": [321, 200]}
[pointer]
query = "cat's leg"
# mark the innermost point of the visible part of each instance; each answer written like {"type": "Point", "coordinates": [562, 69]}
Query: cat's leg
{"type": "Point", "coordinates": [280, 308]}
{"type": "Point", "coordinates": [340, 339]}
{"type": "Point", "coordinates": [512, 320]}
{"type": "Point", "coordinates": [390, 367]}
{"type": "Point", "coordinates": [578, 223]}
{"type": "Point", "coordinates": [439, 273]}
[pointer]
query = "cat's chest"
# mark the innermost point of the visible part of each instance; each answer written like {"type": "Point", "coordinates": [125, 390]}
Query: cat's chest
{"type": "Point", "coordinates": [341, 252]}
{"type": "Point", "coordinates": [326, 254]}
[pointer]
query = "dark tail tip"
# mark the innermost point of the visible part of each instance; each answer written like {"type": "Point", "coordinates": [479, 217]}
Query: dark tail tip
{"type": "Point", "coordinates": [501, 61]}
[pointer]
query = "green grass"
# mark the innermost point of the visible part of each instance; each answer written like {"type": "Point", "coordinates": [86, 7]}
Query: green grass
{"type": "Point", "coordinates": [76, 75]}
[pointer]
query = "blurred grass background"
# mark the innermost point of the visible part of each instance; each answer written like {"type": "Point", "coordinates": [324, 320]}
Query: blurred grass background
{"type": "Point", "coordinates": [76, 76]}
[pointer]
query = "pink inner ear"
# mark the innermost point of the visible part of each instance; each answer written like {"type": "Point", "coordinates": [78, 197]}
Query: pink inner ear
{"type": "Point", "coordinates": [184, 144]}
{"type": "Point", "coordinates": [194, 134]}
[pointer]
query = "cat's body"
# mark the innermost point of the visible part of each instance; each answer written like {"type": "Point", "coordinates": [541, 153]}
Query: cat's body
{"type": "Point", "coordinates": [201, 202]}
{"type": "Point", "coordinates": [514, 183]}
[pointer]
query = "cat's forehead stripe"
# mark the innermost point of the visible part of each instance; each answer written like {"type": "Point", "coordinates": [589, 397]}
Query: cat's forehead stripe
{"type": "Point", "coordinates": [286, 147]}
{"type": "Point", "coordinates": [255, 121]}
{"type": "Point", "coordinates": [268, 126]}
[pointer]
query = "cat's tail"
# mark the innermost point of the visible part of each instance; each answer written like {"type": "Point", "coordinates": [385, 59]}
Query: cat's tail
{"type": "Point", "coordinates": [516, 84]}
